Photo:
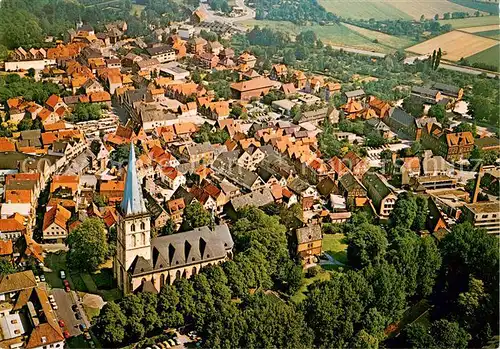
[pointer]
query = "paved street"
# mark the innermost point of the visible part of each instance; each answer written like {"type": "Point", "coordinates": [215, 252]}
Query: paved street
{"type": "Point", "coordinates": [64, 312]}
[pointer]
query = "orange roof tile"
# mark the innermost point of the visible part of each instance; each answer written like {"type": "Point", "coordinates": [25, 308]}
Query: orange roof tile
{"type": "Point", "coordinates": [6, 247]}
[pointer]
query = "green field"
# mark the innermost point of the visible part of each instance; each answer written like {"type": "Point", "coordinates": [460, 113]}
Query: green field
{"type": "Point", "coordinates": [363, 9]}
{"type": "Point", "coordinates": [396, 42]}
{"type": "Point", "coordinates": [477, 5]}
{"type": "Point", "coordinates": [493, 34]}
{"type": "Point", "coordinates": [337, 34]}
{"type": "Point", "coordinates": [471, 21]}
{"type": "Point", "coordinates": [489, 56]}
{"type": "Point", "coordinates": [335, 245]}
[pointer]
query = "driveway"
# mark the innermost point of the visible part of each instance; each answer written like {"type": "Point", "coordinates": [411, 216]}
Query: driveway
{"type": "Point", "coordinates": [64, 312]}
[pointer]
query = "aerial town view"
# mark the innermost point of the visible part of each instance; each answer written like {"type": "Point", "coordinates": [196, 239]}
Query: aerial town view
{"type": "Point", "coordinates": [249, 174]}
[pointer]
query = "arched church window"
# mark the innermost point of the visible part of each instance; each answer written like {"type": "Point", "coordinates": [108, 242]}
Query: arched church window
{"type": "Point", "coordinates": [143, 225]}
{"type": "Point", "coordinates": [132, 227]}
{"type": "Point", "coordinates": [162, 280]}
{"type": "Point", "coordinates": [143, 238]}
{"type": "Point", "coordinates": [134, 240]}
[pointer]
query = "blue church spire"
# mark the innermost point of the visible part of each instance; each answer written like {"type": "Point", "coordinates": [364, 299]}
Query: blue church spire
{"type": "Point", "coordinates": [133, 202]}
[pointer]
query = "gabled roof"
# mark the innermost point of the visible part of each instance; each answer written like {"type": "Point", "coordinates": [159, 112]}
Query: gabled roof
{"type": "Point", "coordinates": [17, 281]}
{"type": "Point", "coordinates": [309, 234]}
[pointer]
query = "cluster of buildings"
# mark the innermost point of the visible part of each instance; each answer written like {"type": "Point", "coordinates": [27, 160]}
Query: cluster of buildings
{"type": "Point", "coordinates": [71, 171]}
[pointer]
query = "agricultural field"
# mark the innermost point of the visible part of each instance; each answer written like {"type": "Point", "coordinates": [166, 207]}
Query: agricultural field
{"type": "Point", "coordinates": [338, 34]}
{"type": "Point", "coordinates": [492, 34]}
{"type": "Point", "coordinates": [362, 9]}
{"type": "Point", "coordinates": [391, 9]}
{"type": "Point", "coordinates": [479, 5]}
{"type": "Point", "coordinates": [489, 56]}
{"type": "Point", "coordinates": [482, 28]}
{"type": "Point", "coordinates": [382, 38]}
{"type": "Point", "coordinates": [471, 21]}
{"type": "Point", "coordinates": [455, 45]}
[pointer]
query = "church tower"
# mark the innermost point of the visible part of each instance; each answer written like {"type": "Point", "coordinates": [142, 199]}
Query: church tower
{"type": "Point", "coordinates": [134, 227]}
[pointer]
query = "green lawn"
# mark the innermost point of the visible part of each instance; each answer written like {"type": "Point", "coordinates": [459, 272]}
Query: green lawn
{"type": "Point", "coordinates": [137, 9]}
{"type": "Point", "coordinates": [471, 21]}
{"type": "Point", "coordinates": [336, 34]}
{"type": "Point", "coordinates": [300, 295]}
{"type": "Point", "coordinates": [489, 56]}
{"type": "Point", "coordinates": [335, 245]}
{"type": "Point", "coordinates": [363, 9]}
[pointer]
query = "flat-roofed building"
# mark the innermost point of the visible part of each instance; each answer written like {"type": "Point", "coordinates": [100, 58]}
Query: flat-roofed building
{"type": "Point", "coordinates": [485, 215]}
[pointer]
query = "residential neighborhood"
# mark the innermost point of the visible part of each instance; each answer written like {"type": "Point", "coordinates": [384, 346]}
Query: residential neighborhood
{"type": "Point", "coordinates": [186, 188]}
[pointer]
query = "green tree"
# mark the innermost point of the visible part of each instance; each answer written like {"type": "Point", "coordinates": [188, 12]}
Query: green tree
{"type": "Point", "coordinates": [195, 216]}
{"type": "Point", "coordinates": [168, 301]}
{"type": "Point", "coordinates": [429, 264]}
{"type": "Point", "coordinates": [413, 107]}
{"type": "Point", "coordinates": [437, 111]}
{"type": "Point", "coordinates": [110, 324]}
{"type": "Point", "coordinates": [88, 245]}
{"type": "Point", "coordinates": [404, 212]}
{"type": "Point", "coordinates": [168, 229]}
{"type": "Point", "coordinates": [86, 112]}
{"type": "Point", "coordinates": [418, 223]}
{"type": "Point", "coordinates": [403, 255]}
{"type": "Point", "coordinates": [367, 245]}
{"type": "Point", "coordinates": [6, 267]}
{"type": "Point", "coordinates": [95, 147]}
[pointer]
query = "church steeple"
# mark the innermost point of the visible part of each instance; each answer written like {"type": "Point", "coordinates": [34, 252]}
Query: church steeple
{"type": "Point", "coordinates": [133, 202]}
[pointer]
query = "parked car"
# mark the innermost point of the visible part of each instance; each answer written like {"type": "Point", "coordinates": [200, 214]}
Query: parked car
{"type": "Point", "coordinates": [161, 345]}
{"type": "Point", "coordinates": [171, 342]}
{"type": "Point", "coordinates": [37, 278]}
{"type": "Point", "coordinates": [155, 346]}
{"type": "Point", "coordinates": [66, 334]}
{"type": "Point", "coordinates": [78, 316]}
{"type": "Point", "coordinates": [42, 278]}
{"type": "Point", "coordinates": [61, 323]}
{"type": "Point", "coordinates": [167, 345]}
{"type": "Point", "coordinates": [83, 328]}
{"type": "Point", "coordinates": [54, 306]}
{"type": "Point", "coordinates": [87, 336]}
{"type": "Point", "coordinates": [51, 298]}
{"type": "Point", "coordinates": [177, 341]}
{"type": "Point", "coordinates": [62, 274]}
{"type": "Point", "coordinates": [74, 307]}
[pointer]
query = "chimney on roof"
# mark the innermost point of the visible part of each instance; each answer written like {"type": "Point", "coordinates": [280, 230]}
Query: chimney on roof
{"type": "Point", "coordinates": [478, 183]}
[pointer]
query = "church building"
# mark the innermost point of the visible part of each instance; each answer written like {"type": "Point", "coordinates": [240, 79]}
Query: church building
{"type": "Point", "coordinates": [143, 263]}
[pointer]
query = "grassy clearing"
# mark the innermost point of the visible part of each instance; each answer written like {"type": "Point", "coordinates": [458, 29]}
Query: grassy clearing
{"type": "Point", "coordinates": [415, 313]}
{"type": "Point", "coordinates": [489, 56]}
{"type": "Point", "coordinates": [335, 245]}
{"type": "Point", "coordinates": [471, 21]}
{"type": "Point", "coordinates": [136, 10]}
{"type": "Point", "coordinates": [363, 9]}
{"type": "Point", "coordinates": [301, 294]}
{"type": "Point", "coordinates": [337, 34]}
{"type": "Point", "coordinates": [384, 39]}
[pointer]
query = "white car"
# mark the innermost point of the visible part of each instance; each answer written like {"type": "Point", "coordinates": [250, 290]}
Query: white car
{"type": "Point", "coordinates": [54, 306]}
{"type": "Point", "coordinates": [42, 278]}
{"type": "Point", "coordinates": [37, 278]}
{"type": "Point", "coordinates": [62, 274]}
{"type": "Point", "coordinates": [51, 298]}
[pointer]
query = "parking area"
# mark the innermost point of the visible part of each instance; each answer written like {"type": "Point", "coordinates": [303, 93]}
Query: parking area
{"type": "Point", "coordinates": [65, 302]}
